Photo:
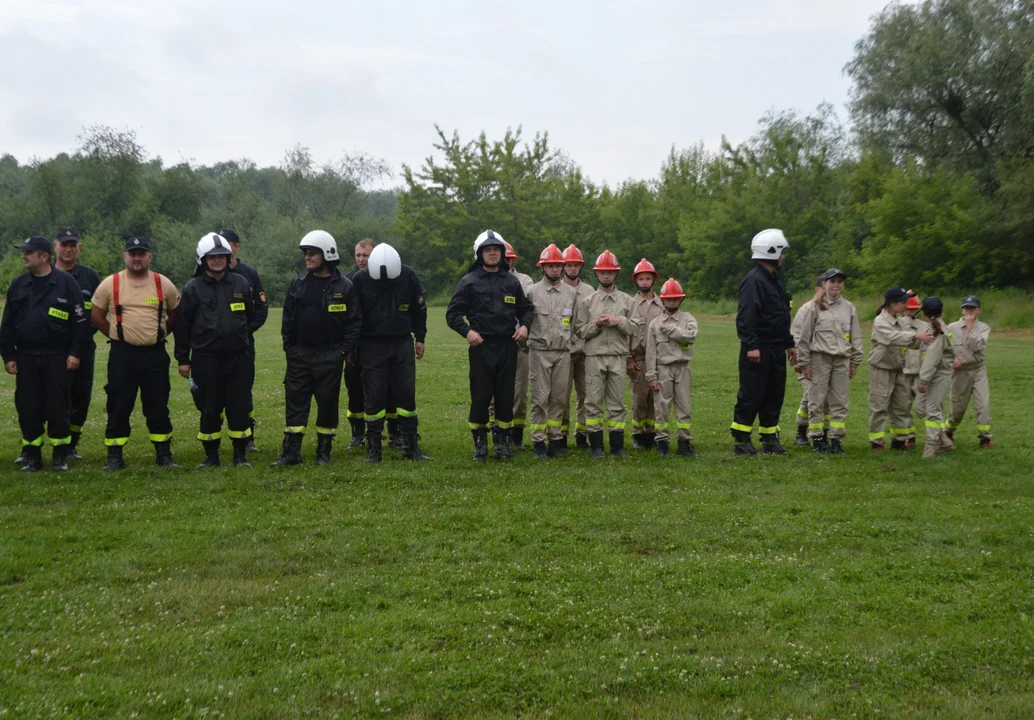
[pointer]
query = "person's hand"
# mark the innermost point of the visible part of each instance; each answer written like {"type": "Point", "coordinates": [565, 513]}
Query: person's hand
{"type": "Point", "coordinates": [807, 373]}
{"type": "Point", "coordinates": [474, 338]}
{"type": "Point", "coordinates": [921, 388]}
{"type": "Point", "coordinates": [184, 370]}
{"type": "Point", "coordinates": [655, 384]}
{"type": "Point", "coordinates": [11, 367]}
{"type": "Point", "coordinates": [351, 357]}
{"type": "Point", "coordinates": [601, 321]}
{"type": "Point", "coordinates": [632, 369]}
{"type": "Point", "coordinates": [957, 364]}
{"type": "Point", "coordinates": [72, 363]}
{"type": "Point", "coordinates": [754, 356]}
{"type": "Point", "coordinates": [791, 356]}
{"type": "Point", "coordinates": [666, 328]}
{"type": "Point", "coordinates": [925, 337]}
{"type": "Point", "coordinates": [851, 373]}
{"type": "Point", "coordinates": [613, 320]}
{"type": "Point", "coordinates": [419, 351]}
{"type": "Point", "coordinates": [522, 334]}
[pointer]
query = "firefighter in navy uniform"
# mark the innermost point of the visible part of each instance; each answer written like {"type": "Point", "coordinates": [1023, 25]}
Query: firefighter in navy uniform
{"type": "Point", "coordinates": [392, 340]}
{"type": "Point", "coordinates": [258, 299]}
{"type": "Point", "coordinates": [213, 333]}
{"type": "Point", "coordinates": [489, 309]}
{"type": "Point", "coordinates": [69, 245]}
{"type": "Point", "coordinates": [766, 344]}
{"type": "Point", "coordinates": [43, 335]}
{"type": "Point", "coordinates": [321, 323]}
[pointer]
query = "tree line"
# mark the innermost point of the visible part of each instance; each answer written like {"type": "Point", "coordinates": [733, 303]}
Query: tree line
{"type": "Point", "coordinates": [929, 182]}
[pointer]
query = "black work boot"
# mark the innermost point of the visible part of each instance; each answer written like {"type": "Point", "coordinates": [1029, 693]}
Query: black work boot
{"type": "Point", "coordinates": [501, 440]}
{"type": "Point", "coordinates": [539, 447]}
{"type": "Point", "coordinates": [211, 454]}
{"type": "Point", "coordinates": [743, 445]}
{"type": "Point", "coordinates": [20, 460]}
{"type": "Point", "coordinates": [358, 433]}
{"type": "Point", "coordinates": [596, 444]}
{"type": "Point", "coordinates": [770, 445]}
{"type": "Point", "coordinates": [662, 448]}
{"type": "Point", "coordinates": [639, 441]}
{"type": "Point", "coordinates": [581, 441]}
{"type": "Point", "coordinates": [411, 446]}
{"type": "Point", "coordinates": [835, 448]}
{"type": "Point", "coordinates": [517, 438]}
{"type": "Point", "coordinates": [802, 436]}
{"type": "Point", "coordinates": [33, 455]}
{"type": "Point", "coordinates": [557, 448]}
{"type": "Point", "coordinates": [617, 443]}
{"type": "Point", "coordinates": [114, 461]}
{"type": "Point", "coordinates": [898, 445]}
{"type": "Point", "coordinates": [71, 453]}
{"type": "Point", "coordinates": [250, 445]}
{"type": "Point", "coordinates": [59, 460]}
{"type": "Point", "coordinates": [324, 442]}
{"type": "Point", "coordinates": [480, 445]}
{"type": "Point", "coordinates": [163, 454]}
{"type": "Point", "coordinates": [374, 447]}
{"type": "Point", "coordinates": [394, 436]}
{"type": "Point", "coordinates": [291, 453]}
{"type": "Point", "coordinates": [685, 448]}
{"type": "Point", "coordinates": [820, 446]}
{"type": "Point", "coordinates": [240, 452]}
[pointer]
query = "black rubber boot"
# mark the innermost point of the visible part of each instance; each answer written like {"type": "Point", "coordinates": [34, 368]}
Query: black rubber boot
{"type": "Point", "coordinates": [743, 445]}
{"type": "Point", "coordinates": [685, 448]}
{"type": "Point", "coordinates": [33, 455]}
{"type": "Point", "coordinates": [291, 453]}
{"type": "Point", "coordinates": [114, 461]}
{"type": "Point", "coordinates": [324, 443]}
{"type": "Point", "coordinates": [358, 433]}
{"type": "Point", "coordinates": [557, 448]}
{"type": "Point", "coordinates": [240, 452]}
{"type": "Point", "coordinates": [501, 440]}
{"type": "Point", "coordinates": [617, 444]}
{"type": "Point", "coordinates": [820, 446]}
{"type": "Point", "coordinates": [596, 444]}
{"type": "Point", "coordinates": [651, 439]}
{"type": "Point", "coordinates": [249, 444]}
{"type": "Point", "coordinates": [59, 460]}
{"type": "Point", "coordinates": [411, 446]}
{"type": "Point", "coordinates": [581, 441]}
{"type": "Point", "coordinates": [480, 445]}
{"type": "Point", "coordinates": [662, 448]}
{"type": "Point", "coordinates": [20, 460]}
{"type": "Point", "coordinates": [517, 439]}
{"type": "Point", "coordinates": [163, 454]}
{"type": "Point", "coordinates": [802, 436]}
{"type": "Point", "coordinates": [770, 445]}
{"type": "Point", "coordinates": [639, 441]}
{"type": "Point", "coordinates": [211, 454]}
{"type": "Point", "coordinates": [374, 447]}
{"type": "Point", "coordinates": [835, 447]}
{"type": "Point", "coordinates": [71, 453]}
{"type": "Point", "coordinates": [539, 447]}
{"type": "Point", "coordinates": [394, 436]}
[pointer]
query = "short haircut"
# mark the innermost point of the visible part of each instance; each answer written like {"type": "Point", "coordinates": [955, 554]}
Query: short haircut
{"type": "Point", "coordinates": [365, 242]}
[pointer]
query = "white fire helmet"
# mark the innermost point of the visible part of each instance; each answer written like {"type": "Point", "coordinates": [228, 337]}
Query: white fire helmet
{"type": "Point", "coordinates": [212, 244]}
{"type": "Point", "coordinates": [768, 245]}
{"type": "Point", "coordinates": [321, 240]}
{"type": "Point", "coordinates": [485, 236]}
{"type": "Point", "coordinates": [384, 263]}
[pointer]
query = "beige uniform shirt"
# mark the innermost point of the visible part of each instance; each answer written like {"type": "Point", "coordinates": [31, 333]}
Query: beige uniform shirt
{"type": "Point", "coordinates": [606, 340]}
{"type": "Point", "coordinates": [798, 321]}
{"type": "Point", "coordinates": [970, 346]}
{"type": "Point", "coordinates": [938, 356]}
{"type": "Point", "coordinates": [139, 306]}
{"type": "Point", "coordinates": [554, 315]}
{"type": "Point", "coordinates": [582, 290]}
{"type": "Point", "coordinates": [646, 310]}
{"type": "Point", "coordinates": [833, 331]}
{"type": "Point", "coordinates": [914, 356]}
{"type": "Point", "coordinates": [669, 340]}
{"type": "Point", "coordinates": [891, 338]}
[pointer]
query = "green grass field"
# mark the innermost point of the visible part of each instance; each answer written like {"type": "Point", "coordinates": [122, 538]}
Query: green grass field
{"type": "Point", "coordinates": [871, 585]}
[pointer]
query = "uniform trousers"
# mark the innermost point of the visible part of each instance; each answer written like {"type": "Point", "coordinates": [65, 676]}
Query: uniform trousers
{"type": "Point", "coordinates": [643, 416]}
{"type": "Point", "coordinates": [132, 368]}
{"type": "Point", "coordinates": [676, 387]}
{"type": "Point", "coordinates": [575, 380]}
{"type": "Point", "coordinates": [41, 396]}
{"type": "Point", "coordinates": [81, 390]}
{"type": "Point", "coordinates": [930, 406]}
{"type": "Point", "coordinates": [388, 374]}
{"type": "Point", "coordinates": [357, 393]}
{"type": "Point", "coordinates": [223, 383]}
{"type": "Point", "coordinates": [605, 387]}
{"type": "Point", "coordinates": [549, 372]}
{"type": "Point", "coordinates": [312, 372]}
{"type": "Point", "coordinates": [889, 394]}
{"type": "Point", "coordinates": [762, 388]}
{"type": "Point", "coordinates": [520, 389]}
{"type": "Point", "coordinates": [829, 394]}
{"type": "Point", "coordinates": [493, 370]}
{"type": "Point", "coordinates": [966, 384]}
{"type": "Point", "coordinates": [248, 369]}
{"type": "Point", "coordinates": [803, 411]}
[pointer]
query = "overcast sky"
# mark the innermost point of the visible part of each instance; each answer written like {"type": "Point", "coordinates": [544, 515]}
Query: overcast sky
{"type": "Point", "coordinates": [614, 82]}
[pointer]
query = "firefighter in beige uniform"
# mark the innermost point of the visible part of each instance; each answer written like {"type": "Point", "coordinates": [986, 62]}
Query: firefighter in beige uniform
{"type": "Point", "coordinates": [969, 342]}
{"type": "Point", "coordinates": [549, 343]}
{"type": "Point", "coordinates": [669, 348]}
{"type": "Point", "coordinates": [935, 381]}
{"type": "Point", "coordinates": [829, 352]}
{"type": "Point", "coordinates": [913, 358]}
{"type": "Point", "coordinates": [573, 263]}
{"type": "Point", "coordinates": [889, 393]}
{"type": "Point", "coordinates": [520, 389]}
{"type": "Point", "coordinates": [802, 411]}
{"type": "Point", "coordinates": [606, 320]}
{"type": "Point", "coordinates": [648, 307]}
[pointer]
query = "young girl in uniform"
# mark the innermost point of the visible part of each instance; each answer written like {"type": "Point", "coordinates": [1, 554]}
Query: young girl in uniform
{"type": "Point", "coordinates": [935, 381]}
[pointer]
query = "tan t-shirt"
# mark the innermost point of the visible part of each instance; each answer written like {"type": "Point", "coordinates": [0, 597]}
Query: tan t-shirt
{"type": "Point", "coordinates": [139, 306]}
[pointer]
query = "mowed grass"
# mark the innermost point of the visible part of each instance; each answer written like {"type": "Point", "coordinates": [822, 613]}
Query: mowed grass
{"type": "Point", "coordinates": [717, 586]}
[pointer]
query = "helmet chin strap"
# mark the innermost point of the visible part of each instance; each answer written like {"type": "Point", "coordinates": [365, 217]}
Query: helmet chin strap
{"type": "Point", "coordinates": [606, 284]}
{"type": "Point", "coordinates": [573, 277]}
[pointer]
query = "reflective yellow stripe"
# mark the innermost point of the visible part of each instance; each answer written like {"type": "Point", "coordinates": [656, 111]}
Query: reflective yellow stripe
{"type": "Point", "coordinates": [392, 416]}
{"type": "Point", "coordinates": [115, 442]}
{"type": "Point", "coordinates": [236, 307]}
{"type": "Point", "coordinates": [768, 430]}
{"type": "Point", "coordinates": [355, 415]}
{"type": "Point", "coordinates": [537, 426]}
{"type": "Point", "coordinates": [325, 430]}
{"type": "Point", "coordinates": [239, 434]}
{"type": "Point", "coordinates": [816, 426]}
{"type": "Point", "coordinates": [984, 428]}
{"type": "Point", "coordinates": [75, 428]}
{"type": "Point", "coordinates": [38, 442]}
{"type": "Point", "coordinates": [159, 438]}
{"type": "Point", "coordinates": [565, 429]}
{"type": "Point", "coordinates": [375, 416]}
{"type": "Point", "coordinates": [407, 413]}
{"type": "Point", "coordinates": [59, 314]}
{"type": "Point", "coordinates": [801, 413]}
{"type": "Point", "coordinates": [877, 435]}
{"type": "Point", "coordinates": [342, 307]}
{"type": "Point", "coordinates": [295, 429]}
{"type": "Point", "coordinates": [683, 426]}
{"type": "Point", "coordinates": [503, 425]}
{"type": "Point", "coordinates": [614, 425]}
{"type": "Point", "coordinates": [553, 423]}
{"type": "Point", "coordinates": [518, 422]}
{"type": "Point", "coordinates": [581, 427]}
{"type": "Point", "coordinates": [936, 425]}
{"type": "Point", "coordinates": [477, 426]}
{"type": "Point", "coordinates": [648, 422]}
{"type": "Point", "coordinates": [838, 425]}
{"type": "Point", "coordinates": [593, 422]}
{"type": "Point", "coordinates": [61, 441]}
{"type": "Point", "coordinates": [209, 436]}
{"type": "Point", "coordinates": [742, 428]}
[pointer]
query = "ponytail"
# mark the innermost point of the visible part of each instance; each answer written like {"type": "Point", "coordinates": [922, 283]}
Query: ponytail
{"type": "Point", "coordinates": [879, 309]}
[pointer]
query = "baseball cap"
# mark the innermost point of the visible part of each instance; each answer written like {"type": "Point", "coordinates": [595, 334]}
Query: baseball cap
{"type": "Point", "coordinates": [971, 301]}
{"type": "Point", "coordinates": [832, 273]}
{"type": "Point", "coordinates": [895, 294]}
{"type": "Point", "coordinates": [36, 242]}
{"type": "Point", "coordinates": [137, 242]}
{"type": "Point", "coordinates": [230, 235]}
{"type": "Point", "coordinates": [932, 306]}
{"type": "Point", "coordinates": [67, 234]}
